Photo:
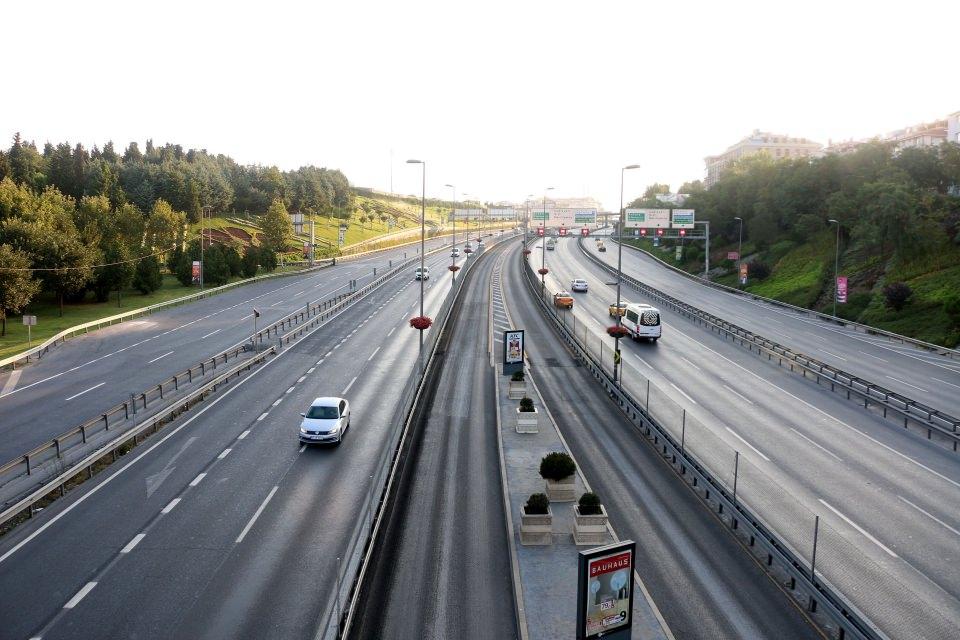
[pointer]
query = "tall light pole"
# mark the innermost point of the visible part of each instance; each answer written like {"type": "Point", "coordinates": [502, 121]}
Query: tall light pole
{"type": "Point", "coordinates": [453, 258]}
{"type": "Point", "coordinates": [203, 265]}
{"type": "Point", "coordinates": [526, 221]}
{"type": "Point", "coordinates": [836, 268]}
{"type": "Point", "coordinates": [543, 244]}
{"type": "Point", "coordinates": [616, 338]}
{"type": "Point", "coordinates": [739, 247]}
{"type": "Point", "coordinates": [423, 218]}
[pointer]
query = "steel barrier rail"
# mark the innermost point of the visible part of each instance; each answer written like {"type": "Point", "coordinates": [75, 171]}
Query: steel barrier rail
{"type": "Point", "coordinates": [908, 409]}
{"type": "Point", "coordinates": [857, 326]}
{"type": "Point", "coordinates": [843, 613]}
{"type": "Point", "coordinates": [60, 479]}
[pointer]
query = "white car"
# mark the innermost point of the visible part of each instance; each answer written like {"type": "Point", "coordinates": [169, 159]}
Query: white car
{"type": "Point", "coordinates": [455, 253]}
{"type": "Point", "coordinates": [326, 421]}
{"type": "Point", "coordinates": [422, 274]}
{"type": "Point", "coordinates": [578, 285]}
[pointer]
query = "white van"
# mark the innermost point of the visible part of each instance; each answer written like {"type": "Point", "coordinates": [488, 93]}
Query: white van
{"type": "Point", "coordinates": [642, 321]}
{"type": "Point", "coordinates": [422, 275]}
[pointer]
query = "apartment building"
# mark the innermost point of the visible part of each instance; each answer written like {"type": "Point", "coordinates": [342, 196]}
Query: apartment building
{"type": "Point", "coordinates": [777, 146]}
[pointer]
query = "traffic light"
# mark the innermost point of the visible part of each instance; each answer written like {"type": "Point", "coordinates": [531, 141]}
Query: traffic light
{"type": "Point", "coordinates": [643, 232]}
{"type": "Point", "coordinates": [683, 232]}
{"type": "Point", "coordinates": [659, 232]}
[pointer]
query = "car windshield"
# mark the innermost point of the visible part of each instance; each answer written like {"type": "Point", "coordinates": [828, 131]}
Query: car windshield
{"type": "Point", "coordinates": [323, 413]}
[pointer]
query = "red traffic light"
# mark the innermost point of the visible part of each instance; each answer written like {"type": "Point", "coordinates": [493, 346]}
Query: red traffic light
{"type": "Point", "coordinates": [683, 232]}
{"type": "Point", "coordinates": [539, 231]}
{"type": "Point", "coordinates": [659, 232]}
{"type": "Point", "coordinates": [643, 232]}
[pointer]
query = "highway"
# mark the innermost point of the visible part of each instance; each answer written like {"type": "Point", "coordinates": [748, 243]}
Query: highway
{"type": "Point", "coordinates": [443, 567]}
{"type": "Point", "coordinates": [705, 585]}
{"type": "Point", "coordinates": [89, 374]}
{"type": "Point", "coordinates": [223, 526]}
{"type": "Point", "coordinates": [889, 493]}
{"type": "Point", "coordinates": [918, 374]}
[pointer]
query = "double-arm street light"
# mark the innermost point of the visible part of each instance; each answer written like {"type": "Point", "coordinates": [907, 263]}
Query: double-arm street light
{"type": "Point", "coordinates": [616, 338]}
{"type": "Point", "coordinates": [453, 248]}
{"type": "Point", "coordinates": [739, 248]}
{"type": "Point", "coordinates": [543, 245]}
{"type": "Point", "coordinates": [203, 217]}
{"type": "Point", "coordinates": [836, 268]}
{"type": "Point", "coordinates": [423, 217]}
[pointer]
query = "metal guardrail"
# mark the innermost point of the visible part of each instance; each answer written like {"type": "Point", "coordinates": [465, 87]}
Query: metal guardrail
{"type": "Point", "coordinates": [857, 326]}
{"type": "Point", "coordinates": [906, 408]}
{"type": "Point", "coordinates": [822, 594]}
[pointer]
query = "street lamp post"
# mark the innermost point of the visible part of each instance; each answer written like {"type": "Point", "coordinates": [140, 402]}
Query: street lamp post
{"type": "Point", "coordinates": [203, 265]}
{"type": "Point", "coordinates": [526, 221]}
{"type": "Point", "coordinates": [836, 267]}
{"type": "Point", "coordinates": [739, 248]}
{"type": "Point", "coordinates": [543, 245]}
{"type": "Point", "coordinates": [423, 217]}
{"type": "Point", "coordinates": [453, 258]}
{"type": "Point", "coordinates": [616, 338]}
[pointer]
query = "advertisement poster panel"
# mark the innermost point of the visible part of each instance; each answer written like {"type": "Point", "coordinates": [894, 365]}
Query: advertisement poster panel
{"type": "Point", "coordinates": [683, 218]}
{"type": "Point", "coordinates": [743, 273]}
{"type": "Point", "coordinates": [733, 255]}
{"type": "Point", "coordinates": [647, 218]}
{"type": "Point", "coordinates": [605, 591]}
{"type": "Point", "coordinates": [195, 273]}
{"type": "Point", "coordinates": [512, 351]}
{"type": "Point", "coordinates": [841, 289]}
{"type": "Point", "coordinates": [467, 214]}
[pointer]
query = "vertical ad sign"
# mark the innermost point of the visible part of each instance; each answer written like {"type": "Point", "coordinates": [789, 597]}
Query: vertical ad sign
{"type": "Point", "coordinates": [743, 273]}
{"type": "Point", "coordinates": [512, 351]}
{"type": "Point", "coordinates": [195, 273]}
{"type": "Point", "coordinates": [841, 289]}
{"type": "Point", "coordinates": [605, 591]}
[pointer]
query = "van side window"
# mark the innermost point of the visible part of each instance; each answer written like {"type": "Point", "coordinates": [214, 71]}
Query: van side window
{"type": "Point", "coordinates": [632, 316]}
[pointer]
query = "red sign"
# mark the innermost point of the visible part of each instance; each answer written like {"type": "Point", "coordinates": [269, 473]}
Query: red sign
{"type": "Point", "coordinates": [841, 289]}
{"type": "Point", "coordinates": [585, 231]}
{"type": "Point", "coordinates": [306, 249]}
{"type": "Point", "coordinates": [733, 255]}
{"type": "Point", "coordinates": [195, 272]}
{"type": "Point", "coordinates": [683, 232]}
{"type": "Point", "coordinates": [563, 231]}
{"type": "Point", "coordinates": [743, 273]}
{"type": "Point", "coordinates": [539, 231]}
{"type": "Point", "coordinates": [659, 232]}
{"type": "Point", "coordinates": [643, 232]}
{"type": "Point", "coordinates": [609, 564]}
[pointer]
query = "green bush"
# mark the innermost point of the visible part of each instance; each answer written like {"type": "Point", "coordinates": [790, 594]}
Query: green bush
{"type": "Point", "coordinates": [268, 259]}
{"type": "Point", "coordinates": [250, 262]}
{"type": "Point", "coordinates": [759, 270]}
{"type": "Point", "coordinates": [147, 278]}
{"type": "Point", "coordinates": [517, 376]}
{"type": "Point", "coordinates": [556, 466]}
{"type": "Point", "coordinates": [526, 405]}
{"type": "Point", "coordinates": [897, 295]}
{"type": "Point", "coordinates": [537, 504]}
{"type": "Point", "coordinates": [589, 504]}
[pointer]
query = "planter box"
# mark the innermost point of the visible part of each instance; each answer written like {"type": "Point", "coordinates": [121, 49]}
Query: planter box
{"type": "Point", "coordinates": [528, 421]}
{"type": "Point", "coordinates": [517, 390]}
{"type": "Point", "coordinates": [563, 491]}
{"type": "Point", "coordinates": [590, 530]}
{"type": "Point", "coordinates": [536, 529]}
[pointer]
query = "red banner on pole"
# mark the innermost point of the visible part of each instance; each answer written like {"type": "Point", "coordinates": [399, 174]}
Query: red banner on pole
{"type": "Point", "coordinates": [841, 289]}
{"type": "Point", "coordinates": [585, 231]}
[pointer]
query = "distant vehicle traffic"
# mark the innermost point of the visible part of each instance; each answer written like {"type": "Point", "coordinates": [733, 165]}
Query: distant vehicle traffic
{"type": "Point", "coordinates": [325, 421]}
{"type": "Point", "coordinates": [551, 244]}
{"type": "Point", "coordinates": [617, 310]}
{"type": "Point", "coordinates": [563, 299]}
{"type": "Point", "coordinates": [579, 285]}
{"type": "Point", "coordinates": [642, 321]}
{"type": "Point", "coordinates": [455, 253]}
{"type": "Point", "coordinates": [601, 247]}
{"type": "Point", "coordinates": [422, 274]}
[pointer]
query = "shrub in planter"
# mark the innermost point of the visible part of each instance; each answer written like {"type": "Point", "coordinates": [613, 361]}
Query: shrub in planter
{"type": "Point", "coordinates": [537, 504]}
{"type": "Point", "coordinates": [589, 504]}
{"type": "Point", "coordinates": [526, 406]}
{"type": "Point", "coordinates": [526, 252]}
{"type": "Point", "coordinates": [556, 466]}
{"type": "Point", "coordinates": [543, 272]}
{"type": "Point", "coordinates": [618, 330]}
{"type": "Point", "coordinates": [454, 268]}
{"type": "Point", "coordinates": [421, 323]}
{"type": "Point", "coordinates": [517, 376]}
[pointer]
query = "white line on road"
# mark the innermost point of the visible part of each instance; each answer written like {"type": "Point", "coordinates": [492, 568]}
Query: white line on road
{"type": "Point", "coordinates": [373, 354]}
{"type": "Point", "coordinates": [945, 382]}
{"type": "Point", "coordinates": [857, 527]}
{"type": "Point", "coordinates": [744, 398]}
{"type": "Point", "coordinates": [224, 454]}
{"type": "Point", "coordinates": [262, 416]}
{"type": "Point", "coordinates": [826, 451]}
{"type": "Point", "coordinates": [876, 357]}
{"type": "Point", "coordinates": [329, 353]}
{"type": "Point", "coordinates": [134, 542]}
{"type": "Point", "coordinates": [278, 302]}
{"type": "Point", "coordinates": [302, 449]}
{"type": "Point", "coordinates": [198, 479]}
{"type": "Point", "coordinates": [930, 515]}
{"type": "Point", "coordinates": [211, 333]}
{"type": "Point", "coordinates": [301, 379]}
{"type": "Point", "coordinates": [690, 363]}
{"type": "Point", "coordinates": [391, 332]}
{"type": "Point", "coordinates": [299, 294]}
{"type": "Point", "coordinates": [11, 382]}
{"type": "Point", "coordinates": [755, 450]}
{"type": "Point", "coordinates": [277, 401]}
{"type": "Point", "coordinates": [263, 505]}
{"type": "Point", "coordinates": [908, 384]}
{"type": "Point", "coordinates": [243, 435]}
{"type": "Point", "coordinates": [312, 369]}
{"type": "Point", "coordinates": [350, 385]}
{"type": "Point", "coordinates": [159, 357]}
{"type": "Point", "coordinates": [171, 505]}
{"type": "Point", "coordinates": [96, 386]}
{"type": "Point", "coordinates": [290, 389]}
{"type": "Point", "coordinates": [682, 393]}
{"type": "Point", "coordinates": [834, 355]}
{"type": "Point", "coordinates": [75, 600]}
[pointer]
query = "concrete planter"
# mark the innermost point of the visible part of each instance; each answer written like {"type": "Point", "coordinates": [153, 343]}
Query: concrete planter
{"type": "Point", "coordinates": [589, 530]}
{"type": "Point", "coordinates": [563, 490]}
{"type": "Point", "coordinates": [517, 390]}
{"type": "Point", "coordinates": [536, 529]}
{"type": "Point", "coordinates": [528, 421]}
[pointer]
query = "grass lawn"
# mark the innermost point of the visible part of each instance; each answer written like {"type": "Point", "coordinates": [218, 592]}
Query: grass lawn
{"type": "Point", "coordinates": [798, 277]}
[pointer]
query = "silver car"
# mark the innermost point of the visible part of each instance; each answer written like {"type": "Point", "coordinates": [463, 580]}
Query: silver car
{"type": "Point", "coordinates": [578, 285]}
{"type": "Point", "coordinates": [325, 421]}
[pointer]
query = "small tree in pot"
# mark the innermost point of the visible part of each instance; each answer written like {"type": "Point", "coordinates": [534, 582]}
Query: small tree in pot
{"type": "Point", "coordinates": [558, 469]}
{"type": "Point", "coordinates": [527, 416]}
{"type": "Point", "coordinates": [518, 387]}
{"type": "Point", "coordinates": [590, 520]}
{"type": "Point", "coordinates": [536, 521]}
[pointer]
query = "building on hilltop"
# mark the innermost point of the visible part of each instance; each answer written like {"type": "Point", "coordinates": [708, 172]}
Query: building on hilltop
{"type": "Point", "coordinates": [927, 134]}
{"type": "Point", "coordinates": [779, 147]}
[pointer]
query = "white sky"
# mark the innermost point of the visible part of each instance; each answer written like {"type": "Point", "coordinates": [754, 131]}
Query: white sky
{"type": "Point", "coordinates": [500, 98]}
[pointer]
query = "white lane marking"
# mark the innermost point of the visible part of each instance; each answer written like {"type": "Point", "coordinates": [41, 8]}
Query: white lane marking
{"type": "Point", "coordinates": [391, 332]}
{"type": "Point", "coordinates": [328, 354]}
{"type": "Point", "coordinates": [755, 450]}
{"type": "Point", "coordinates": [280, 302]}
{"type": "Point", "coordinates": [75, 600]}
{"type": "Point", "coordinates": [159, 357]}
{"type": "Point", "coordinates": [263, 505]}
{"type": "Point", "coordinates": [930, 515]}
{"type": "Point", "coordinates": [873, 356]}
{"type": "Point", "coordinates": [224, 454]}
{"type": "Point", "coordinates": [302, 449]}
{"type": "Point", "coordinates": [301, 379]}
{"type": "Point", "coordinates": [857, 527]}
{"type": "Point", "coordinates": [211, 333]}
{"type": "Point", "coordinates": [262, 416]}
{"type": "Point", "coordinates": [198, 479]}
{"type": "Point", "coordinates": [77, 395]}
{"type": "Point", "coordinates": [290, 389]}
{"type": "Point", "coordinates": [690, 363]}
{"type": "Point", "coordinates": [299, 294]}
{"type": "Point", "coordinates": [320, 361]}
{"type": "Point", "coordinates": [825, 450]}
{"type": "Point", "coordinates": [312, 369]}
{"type": "Point", "coordinates": [277, 401]}
{"type": "Point", "coordinates": [683, 394]}
{"type": "Point", "coordinates": [134, 542]}
{"type": "Point", "coordinates": [742, 397]}
{"type": "Point", "coordinates": [908, 384]}
{"type": "Point", "coordinates": [834, 355]}
{"type": "Point", "coordinates": [945, 382]}
{"type": "Point", "coordinates": [373, 354]}
{"type": "Point", "coordinates": [171, 505]}
{"type": "Point", "coordinates": [350, 385]}
{"type": "Point", "coordinates": [11, 382]}
{"type": "Point", "coordinates": [643, 361]}
{"type": "Point", "coordinates": [243, 435]}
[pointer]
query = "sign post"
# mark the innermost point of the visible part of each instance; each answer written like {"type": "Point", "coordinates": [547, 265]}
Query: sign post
{"type": "Point", "coordinates": [196, 276]}
{"type": "Point", "coordinates": [29, 321]}
{"type": "Point", "coordinates": [605, 592]}
{"type": "Point", "coordinates": [512, 351]}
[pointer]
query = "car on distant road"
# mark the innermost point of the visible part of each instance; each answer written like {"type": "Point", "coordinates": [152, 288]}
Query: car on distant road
{"type": "Point", "coordinates": [601, 247]}
{"type": "Point", "coordinates": [455, 253]}
{"type": "Point", "coordinates": [617, 310]}
{"type": "Point", "coordinates": [422, 274]}
{"type": "Point", "coordinates": [563, 299]}
{"type": "Point", "coordinates": [579, 285]}
{"type": "Point", "coordinates": [325, 421]}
